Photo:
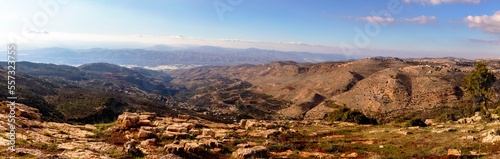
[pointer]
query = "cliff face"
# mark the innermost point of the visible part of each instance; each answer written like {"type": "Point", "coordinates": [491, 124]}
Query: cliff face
{"type": "Point", "coordinates": [373, 86]}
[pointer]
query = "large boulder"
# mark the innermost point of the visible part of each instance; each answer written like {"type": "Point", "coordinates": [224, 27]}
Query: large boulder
{"type": "Point", "coordinates": [145, 134]}
{"type": "Point", "coordinates": [177, 128]}
{"type": "Point", "coordinates": [208, 132]}
{"type": "Point", "coordinates": [454, 152]}
{"type": "Point", "coordinates": [251, 153]}
{"type": "Point", "coordinates": [28, 112]}
{"type": "Point", "coordinates": [147, 116]}
{"type": "Point", "coordinates": [127, 120]}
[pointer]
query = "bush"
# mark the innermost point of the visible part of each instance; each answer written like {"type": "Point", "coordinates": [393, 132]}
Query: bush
{"type": "Point", "coordinates": [279, 147]}
{"type": "Point", "coordinates": [445, 114]}
{"type": "Point", "coordinates": [330, 147]}
{"type": "Point", "coordinates": [446, 117]}
{"type": "Point", "coordinates": [347, 115]}
{"type": "Point", "coordinates": [496, 111]}
{"type": "Point", "coordinates": [415, 122]}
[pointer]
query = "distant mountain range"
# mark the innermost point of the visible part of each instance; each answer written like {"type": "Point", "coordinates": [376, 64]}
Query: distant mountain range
{"type": "Point", "coordinates": [161, 55]}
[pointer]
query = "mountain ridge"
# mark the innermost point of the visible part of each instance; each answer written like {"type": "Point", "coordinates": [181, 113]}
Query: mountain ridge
{"type": "Point", "coordinates": [164, 55]}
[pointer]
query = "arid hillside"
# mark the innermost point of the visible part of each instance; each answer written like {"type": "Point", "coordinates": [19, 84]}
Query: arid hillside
{"type": "Point", "coordinates": [375, 86]}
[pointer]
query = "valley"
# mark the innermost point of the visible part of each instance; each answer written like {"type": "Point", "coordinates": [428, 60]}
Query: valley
{"type": "Point", "coordinates": [350, 109]}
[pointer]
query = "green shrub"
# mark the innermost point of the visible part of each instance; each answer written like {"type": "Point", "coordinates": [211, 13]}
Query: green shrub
{"type": "Point", "coordinates": [279, 147]}
{"type": "Point", "coordinates": [44, 146]}
{"type": "Point", "coordinates": [415, 122]}
{"type": "Point", "coordinates": [330, 147]}
{"type": "Point", "coordinates": [496, 111]}
{"type": "Point", "coordinates": [346, 115]}
{"type": "Point", "coordinates": [47, 134]}
{"type": "Point", "coordinates": [446, 117]}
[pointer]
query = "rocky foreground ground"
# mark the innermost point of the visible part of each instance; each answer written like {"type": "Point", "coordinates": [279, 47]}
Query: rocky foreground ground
{"type": "Point", "coordinates": [146, 135]}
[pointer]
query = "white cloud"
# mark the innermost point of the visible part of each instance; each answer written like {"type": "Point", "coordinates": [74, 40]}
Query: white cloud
{"type": "Point", "coordinates": [421, 19]}
{"type": "Point", "coordinates": [485, 23]}
{"type": "Point", "coordinates": [437, 2]}
{"type": "Point", "coordinates": [377, 19]}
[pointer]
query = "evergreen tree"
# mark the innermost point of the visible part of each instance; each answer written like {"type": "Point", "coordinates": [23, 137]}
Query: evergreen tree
{"type": "Point", "coordinates": [478, 84]}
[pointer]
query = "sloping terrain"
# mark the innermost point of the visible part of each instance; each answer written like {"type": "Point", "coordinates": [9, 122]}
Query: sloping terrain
{"type": "Point", "coordinates": [90, 93]}
{"type": "Point", "coordinates": [375, 86]}
{"type": "Point", "coordinates": [383, 88]}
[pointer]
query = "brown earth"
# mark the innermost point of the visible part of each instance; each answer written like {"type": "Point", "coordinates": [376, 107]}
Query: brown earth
{"type": "Point", "coordinates": [374, 86]}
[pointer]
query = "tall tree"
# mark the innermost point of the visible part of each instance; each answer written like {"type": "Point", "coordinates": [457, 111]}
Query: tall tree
{"type": "Point", "coordinates": [478, 84]}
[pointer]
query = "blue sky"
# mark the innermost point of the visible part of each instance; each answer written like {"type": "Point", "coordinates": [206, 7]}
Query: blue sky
{"type": "Point", "coordinates": [422, 28]}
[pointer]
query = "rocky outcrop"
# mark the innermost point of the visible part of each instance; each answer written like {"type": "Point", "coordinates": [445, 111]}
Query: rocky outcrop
{"type": "Point", "coordinates": [491, 136]}
{"type": "Point", "coordinates": [249, 153]}
{"type": "Point", "coordinates": [127, 120]}
{"type": "Point", "coordinates": [454, 152]}
{"type": "Point", "coordinates": [196, 138]}
{"type": "Point", "coordinates": [28, 112]}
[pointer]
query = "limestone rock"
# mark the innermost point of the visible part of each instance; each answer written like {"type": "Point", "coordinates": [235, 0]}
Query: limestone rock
{"type": "Point", "coordinates": [454, 152]}
{"type": "Point", "coordinates": [254, 152]}
{"type": "Point", "coordinates": [429, 122]}
{"type": "Point", "coordinates": [183, 116]}
{"type": "Point", "coordinates": [144, 123]}
{"type": "Point", "coordinates": [444, 130]}
{"type": "Point", "coordinates": [127, 120]}
{"type": "Point", "coordinates": [322, 155]}
{"type": "Point", "coordinates": [194, 132]}
{"type": "Point", "coordinates": [470, 137]}
{"type": "Point", "coordinates": [145, 134]}
{"type": "Point", "coordinates": [80, 154]}
{"type": "Point", "coordinates": [212, 143]}
{"type": "Point", "coordinates": [491, 139]}
{"type": "Point", "coordinates": [208, 132]}
{"type": "Point", "coordinates": [403, 132]}
{"type": "Point", "coordinates": [130, 148]}
{"type": "Point", "coordinates": [174, 148]}
{"type": "Point", "coordinates": [243, 123]}
{"type": "Point", "coordinates": [147, 116]}
{"type": "Point", "coordinates": [191, 147]}
{"type": "Point", "coordinates": [351, 155]}
{"type": "Point", "coordinates": [28, 112]}
{"type": "Point", "coordinates": [177, 128]}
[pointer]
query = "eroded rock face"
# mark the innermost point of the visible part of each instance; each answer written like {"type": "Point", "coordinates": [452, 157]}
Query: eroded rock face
{"type": "Point", "coordinates": [253, 152]}
{"type": "Point", "coordinates": [145, 134]}
{"type": "Point", "coordinates": [28, 112]}
{"type": "Point", "coordinates": [127, 120]}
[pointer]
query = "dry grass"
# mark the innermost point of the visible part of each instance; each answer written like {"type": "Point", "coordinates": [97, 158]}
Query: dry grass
{"type": "Point", "coordinates": [384, 141]}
